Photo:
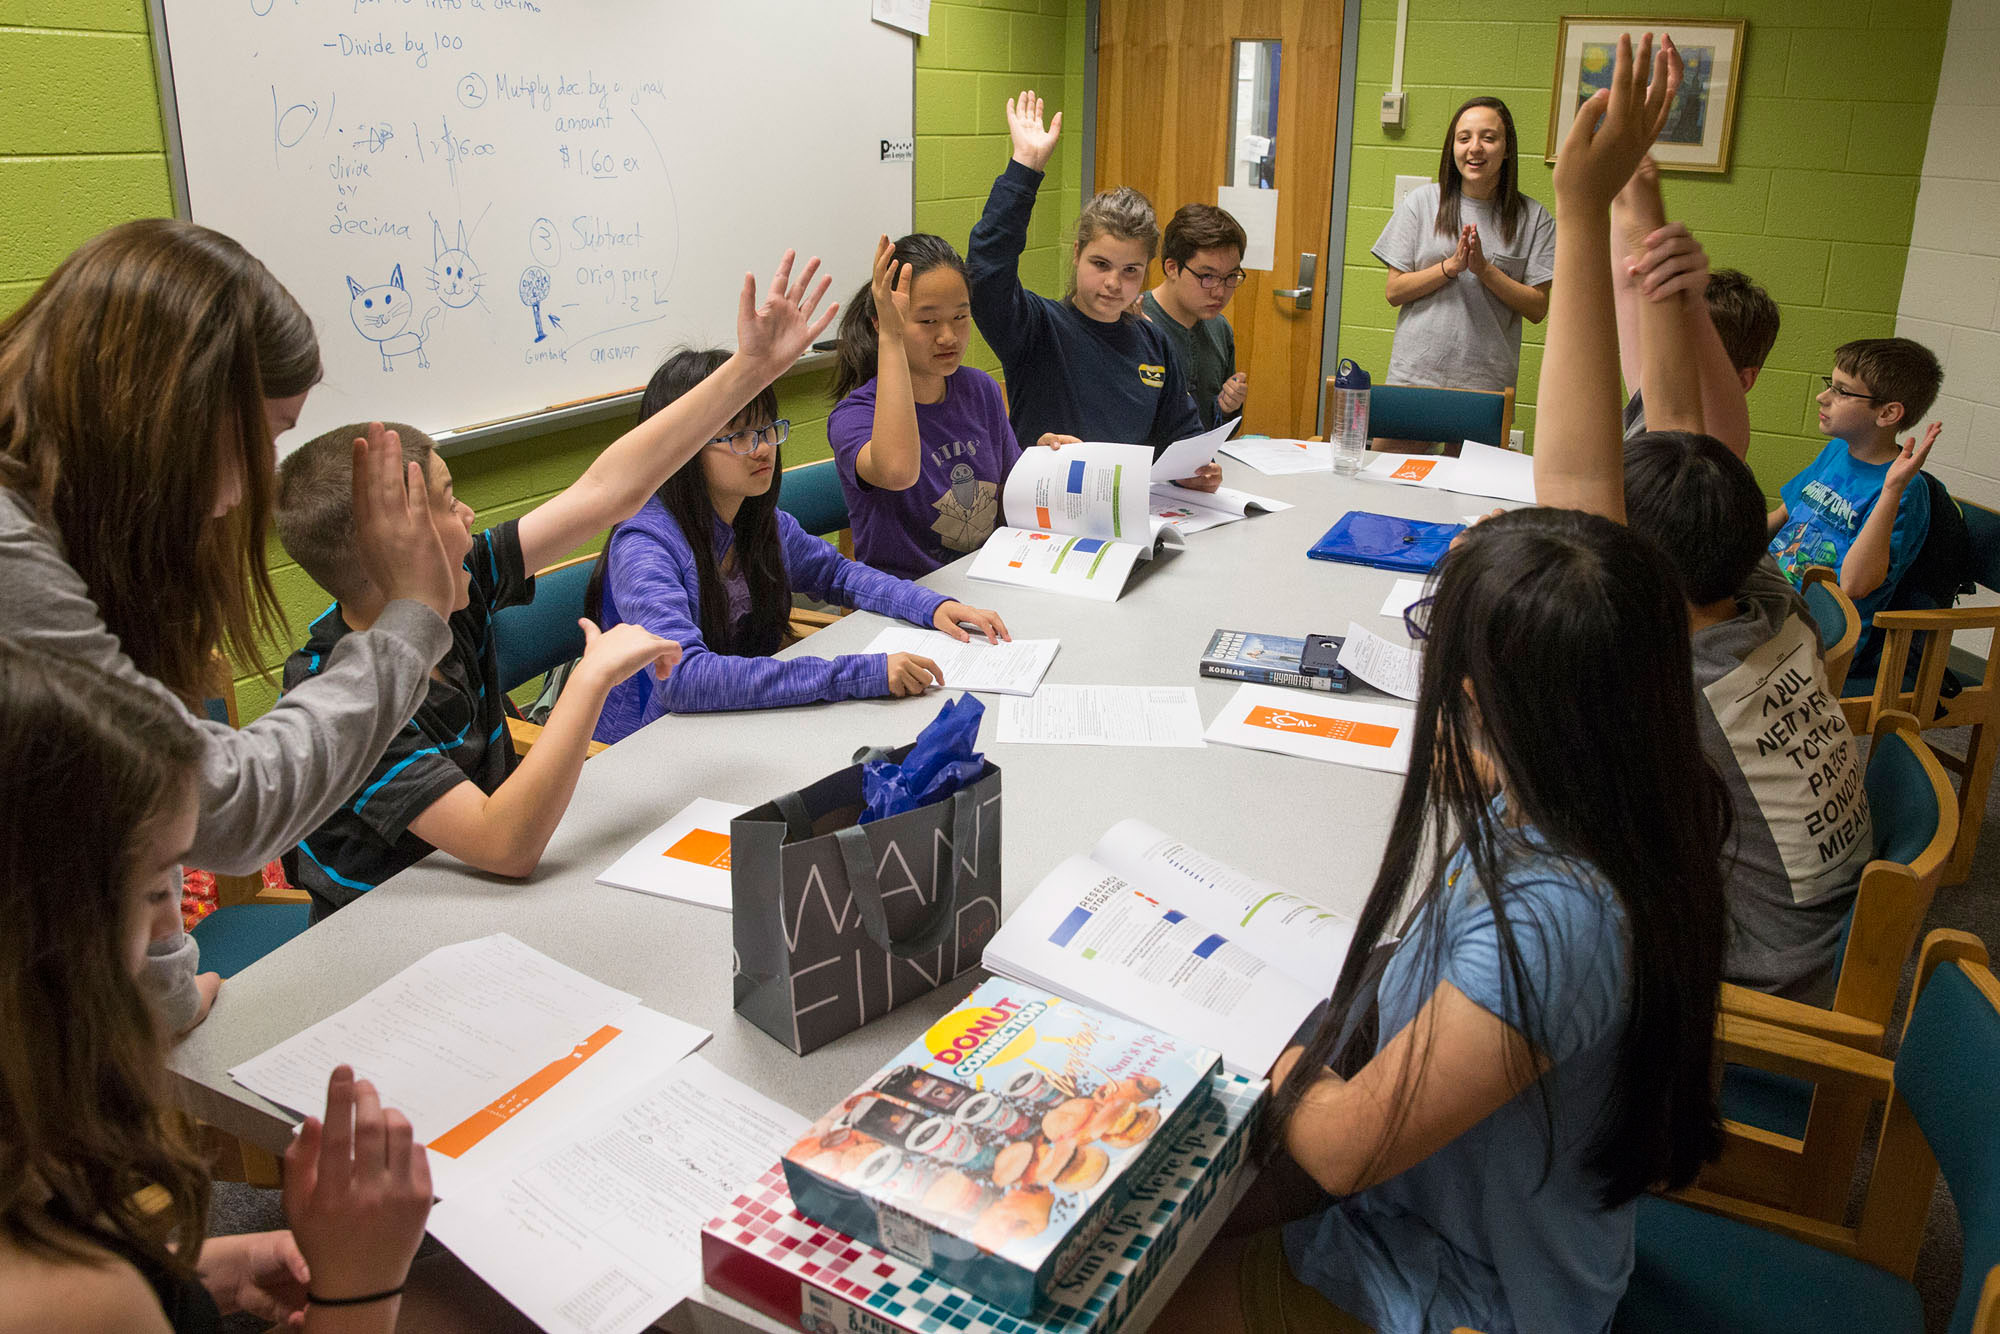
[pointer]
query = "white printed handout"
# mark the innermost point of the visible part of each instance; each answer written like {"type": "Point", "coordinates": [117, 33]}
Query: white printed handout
{"type": "Point", "coordinates": [1406, 594]}
{"type": "Point", "coordinates": [1334, 728]}
{"type": "Point", "coordinates": [447, 1036]}
{"type": "Point", "coordinates": [686, 858]}
{"type": "Point", "coordinates": [607, 1065]}
{"type": "Point", "coordinates": [1382, 663]}
{"type": "Point", "coordinates": [1102, 716]}
{"type": "Point", "coordinates": [1153, 929]}
{"type": "Point", "coordinates": [1425, 470]}
{"type": "Point", "coordinates": [1278, 458]}
{"type": "Point", "coordinates": [599, 1231]}
{"type": "Point", "coordinates": [1183, 457]}
{"type": "Point", "coordinates": [1010, 667]}
{"type": "Point", "coordinates": [1503, 474]}
{"type": "Point", "coordinates": [1079, 521]}
{"type": "Point", "coordinates": [1479, 470]}
{"type": "Point", "coordinates": [1193, 511]}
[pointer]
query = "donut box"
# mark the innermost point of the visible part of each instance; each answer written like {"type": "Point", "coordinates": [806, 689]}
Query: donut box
{"type": "Point", "coordinates": [993, 1149]}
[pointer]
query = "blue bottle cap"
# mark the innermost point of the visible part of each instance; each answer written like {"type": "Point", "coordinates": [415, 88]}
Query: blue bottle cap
{"type": "Point", "coordinates": [1350, 376]}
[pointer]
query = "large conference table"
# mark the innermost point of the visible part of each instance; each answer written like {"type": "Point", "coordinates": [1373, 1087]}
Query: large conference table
{"type": "Point", "coordinates": [1313, 827]}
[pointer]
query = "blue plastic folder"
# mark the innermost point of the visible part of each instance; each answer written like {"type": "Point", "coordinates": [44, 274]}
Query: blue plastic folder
{"type": "Point", "coordinates": [1410, 546]}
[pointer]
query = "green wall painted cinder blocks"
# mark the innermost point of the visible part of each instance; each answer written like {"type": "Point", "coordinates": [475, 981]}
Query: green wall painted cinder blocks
{"type": "Point", "coordinates": [81, 149]}
{"type": "Point", "coordinates": [1832, 119]}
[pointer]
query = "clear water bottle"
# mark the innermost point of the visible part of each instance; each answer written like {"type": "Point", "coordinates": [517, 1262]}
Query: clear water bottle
{"type": "Point", "coordinates": [1348, 418]}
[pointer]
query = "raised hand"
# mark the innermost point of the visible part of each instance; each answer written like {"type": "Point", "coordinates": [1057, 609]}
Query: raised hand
{"type": "Point", "coordinates": [357, 1191]}
{"type": "Point", "coordinates": [1909, 461]}
{"type": "Point", "coordinates": [1032, 143]}
{"type": "Point", "coordinates": [890, 284]}
{"type": "Point", "coordinates": [777, 332]}
{"type": "Point", "coordinates": [1673, 261]}
{"type": "Point", "coordinates": [625, 648]}
{"type": "Point", "coordinates": [394, 538]}
{"type": "Point", "coordinates": [1615, 126]}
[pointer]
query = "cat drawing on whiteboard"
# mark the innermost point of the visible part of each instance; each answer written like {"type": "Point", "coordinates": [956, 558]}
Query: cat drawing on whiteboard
{"type": "Point", "coordinates": [454, 275]}
{"type": "Point", "coordinates": [382, 315]}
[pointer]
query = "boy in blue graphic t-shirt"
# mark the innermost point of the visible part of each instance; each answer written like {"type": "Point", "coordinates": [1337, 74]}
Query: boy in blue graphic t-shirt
{"type": "Point", "coordinates": [1859, 508]}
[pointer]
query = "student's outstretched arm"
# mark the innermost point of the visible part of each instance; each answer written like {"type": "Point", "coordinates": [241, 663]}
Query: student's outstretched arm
{"type": "Point", "coordinates": [1868, 560]}
{"type": "Point", "coordinates": [1667, 369]}
{"type": "Point", "coordinates": [893, 457]}
{"type": "Point", "coordinates": [506, 833]}
{"type": "Point", "coordinates": [1008, 315]}
{"type": "Point", "coordinates": [769, 337]}
{"type": "Point", "coordinates": [1579, 460]}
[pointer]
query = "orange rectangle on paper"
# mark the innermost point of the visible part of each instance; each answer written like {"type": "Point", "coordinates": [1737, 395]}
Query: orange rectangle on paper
{"type": "Point", "coordinates": [466, 1135]}
{"type": "Point", "coordinates": [1331, 729]}
{"type": "Point", "coordinates": [703, 847]}
{"type": "Point", "coordinates": [1042, 516]}
{"type": "Point", "coordinates": [1414, 470]}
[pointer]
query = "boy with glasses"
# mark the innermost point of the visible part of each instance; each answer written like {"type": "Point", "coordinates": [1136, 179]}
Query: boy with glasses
{"type": "Point", "coordinates": [1201, 255]}
{"type": "Point", "coordinates": [1853, 509]}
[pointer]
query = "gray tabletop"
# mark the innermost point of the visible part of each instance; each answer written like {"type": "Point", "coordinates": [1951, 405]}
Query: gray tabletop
{"type": "Point", "coordinates": [1317, 828]}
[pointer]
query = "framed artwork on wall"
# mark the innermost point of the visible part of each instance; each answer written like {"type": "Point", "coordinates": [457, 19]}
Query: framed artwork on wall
{"type": "Point", "coordinates": [1702, 120]}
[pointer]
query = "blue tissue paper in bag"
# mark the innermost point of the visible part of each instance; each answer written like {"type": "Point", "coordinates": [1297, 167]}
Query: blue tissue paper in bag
{"type": "Point", "coordinates": [941, 762]}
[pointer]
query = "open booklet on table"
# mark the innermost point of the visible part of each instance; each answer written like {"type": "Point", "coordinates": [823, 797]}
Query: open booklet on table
{"type": "Point", "coordinates": [1079, 521]}
{"type": "Point", "coordinates": [1155, 930]}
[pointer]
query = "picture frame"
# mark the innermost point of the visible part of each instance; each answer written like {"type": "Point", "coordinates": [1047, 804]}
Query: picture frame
{"type": "Point", "coordinates": [1702, 122]}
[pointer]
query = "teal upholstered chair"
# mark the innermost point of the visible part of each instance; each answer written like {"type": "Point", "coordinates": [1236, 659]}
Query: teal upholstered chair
{"type": "Point", "coordinates": [1708, 1261]}
{"type": "Point", "coordinates": [811, 494]}
{"type": "Point", "coordinates": [534, 639]}
{"type": "Point", "coordinates": [1944, 685]}
{"type": "Point", "coordinates": [250, 921]}
{"type": "Point", "coordinates": [1837, 621]}
{"type": "Point", "coordinates": [1915, 824]}
{"type": "Point", "coordinates": [1410, 412]}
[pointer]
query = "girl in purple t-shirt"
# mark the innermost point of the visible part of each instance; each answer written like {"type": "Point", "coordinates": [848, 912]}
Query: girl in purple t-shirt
{"type": "Point", "coordinates": [922, 442]}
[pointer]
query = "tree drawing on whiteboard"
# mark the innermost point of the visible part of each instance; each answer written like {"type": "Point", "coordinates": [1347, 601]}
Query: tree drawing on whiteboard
{"type": "Point", "coordinates": [454, 274]}
{"type": "Point", "coordinates": [382, 316]}
{"type": "Point", "coordinates": [534, 291]}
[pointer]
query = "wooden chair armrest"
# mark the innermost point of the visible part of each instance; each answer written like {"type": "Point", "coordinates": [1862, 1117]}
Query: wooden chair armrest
{"type": "Point", "coordinates": [1946, 618]}
{"type": "Point", "coordinates": [806, 616]}
{"type": "Point", "coordinates": [526, 734]}
{"type": "Point", "coordinates": [1827, 1236]}
{"type": "Point", "coordinates": [282, 894]}
{"type": "Point", "coordinates": [1785, 1051]}
{"type": "Point", "coordinates": [1827, 1025]}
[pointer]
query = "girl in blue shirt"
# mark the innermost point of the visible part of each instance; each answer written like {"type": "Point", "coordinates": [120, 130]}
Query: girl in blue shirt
{"type": "Point", "coordinates": [1542, 1033]}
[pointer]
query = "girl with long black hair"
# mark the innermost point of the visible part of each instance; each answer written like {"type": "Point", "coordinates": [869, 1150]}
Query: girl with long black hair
{"type": "Point", "coordinates": [1536, 1051]}
{"type": "Point", "coordinates": [713, 557]}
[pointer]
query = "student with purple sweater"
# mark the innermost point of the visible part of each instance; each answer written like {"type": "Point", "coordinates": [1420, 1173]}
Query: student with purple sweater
{"type": "Point", "coordinates": [726, 591]}
{"type": "Point", "coordinates": [922, 442]}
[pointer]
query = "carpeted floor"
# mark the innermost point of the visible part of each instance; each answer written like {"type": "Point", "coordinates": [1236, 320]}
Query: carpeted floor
{"type": "Point", "coordinates": [1973, 906]}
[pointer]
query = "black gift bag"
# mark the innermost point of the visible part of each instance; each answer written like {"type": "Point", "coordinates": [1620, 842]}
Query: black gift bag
{"type": "Point", "coordinates": [837, 923]}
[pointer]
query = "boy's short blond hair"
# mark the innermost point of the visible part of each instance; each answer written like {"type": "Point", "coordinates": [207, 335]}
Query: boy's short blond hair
{"type": "Point", "coordinates": [315, 505]}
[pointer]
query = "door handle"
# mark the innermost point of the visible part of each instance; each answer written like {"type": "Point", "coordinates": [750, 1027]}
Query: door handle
{"type": "Point", "coordinates": [1302, 295]}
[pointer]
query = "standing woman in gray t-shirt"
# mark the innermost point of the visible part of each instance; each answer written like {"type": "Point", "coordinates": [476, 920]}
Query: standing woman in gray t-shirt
{"type": "Point", "coordinates": [1469, 257]}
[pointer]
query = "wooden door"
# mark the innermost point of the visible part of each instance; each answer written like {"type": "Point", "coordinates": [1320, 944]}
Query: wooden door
{"type": "Point", "coordinates": [1164, 76]}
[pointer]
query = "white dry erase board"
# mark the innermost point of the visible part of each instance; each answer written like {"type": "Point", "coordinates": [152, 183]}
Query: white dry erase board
{"type": "Point", "coordinates": [494, 209]}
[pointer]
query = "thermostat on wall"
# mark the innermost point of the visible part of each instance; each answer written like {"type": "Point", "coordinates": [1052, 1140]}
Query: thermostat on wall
{"type": "Point", "coordinates": [1392, 111]}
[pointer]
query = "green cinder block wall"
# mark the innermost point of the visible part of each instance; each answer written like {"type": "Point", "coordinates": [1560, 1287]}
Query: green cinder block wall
{"type": "Point", "coordinates": [1831, 124]}
{"type": "Point", "coordinates": [81, 148]}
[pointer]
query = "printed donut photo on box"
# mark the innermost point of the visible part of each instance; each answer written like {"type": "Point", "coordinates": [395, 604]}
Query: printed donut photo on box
{"type": "Point", "coordinates": [992, 1149]}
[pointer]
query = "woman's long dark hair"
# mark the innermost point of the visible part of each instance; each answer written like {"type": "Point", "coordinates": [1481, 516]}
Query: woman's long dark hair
{"type": "Point", "coordinates": [1509, 204]}
{"type": "Point", "coordinates": [759, 553]}
{"type": "Point", "coordinates": [86, 1119]}
{"type": "Point", "coordinates": [859, 345]}
{"type": "Point", "coordinates": [1558, 663]}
